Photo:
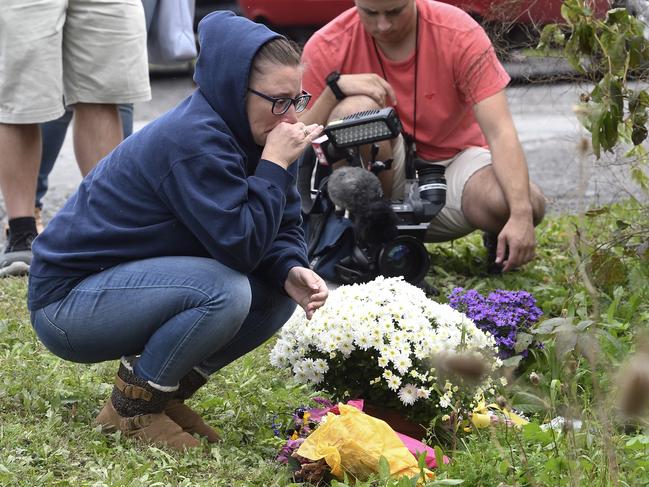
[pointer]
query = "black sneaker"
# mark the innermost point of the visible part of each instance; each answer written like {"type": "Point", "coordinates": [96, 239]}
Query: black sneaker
{"type": "Point", "coordinates": [17, 256]}
{"type": "Point", "coordinates": [490, 241]}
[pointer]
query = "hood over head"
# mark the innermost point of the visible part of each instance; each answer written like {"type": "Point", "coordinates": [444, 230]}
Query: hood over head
{"type": "Point", "coordinates": [228, 44]}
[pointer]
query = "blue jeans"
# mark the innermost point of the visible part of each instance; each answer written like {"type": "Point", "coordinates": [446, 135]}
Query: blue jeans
{"type": "Point", "coordinates": [175, 312]}
{"type": "Point", "coordinates": [53, 136]}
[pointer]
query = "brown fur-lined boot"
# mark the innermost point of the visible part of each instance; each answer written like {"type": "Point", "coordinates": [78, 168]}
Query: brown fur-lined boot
{"type": "Point", "coordinates": [183, 415]}
{"type": "Point", "coordinates": [136, 408]}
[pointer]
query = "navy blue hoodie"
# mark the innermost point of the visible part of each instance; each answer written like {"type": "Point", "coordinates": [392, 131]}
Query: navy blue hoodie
{"type": "Point", "coordinates": [190, 183]}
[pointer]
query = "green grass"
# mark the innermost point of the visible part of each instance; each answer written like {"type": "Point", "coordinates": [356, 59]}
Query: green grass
{"type": "Point", "coordinates": [47, 405]}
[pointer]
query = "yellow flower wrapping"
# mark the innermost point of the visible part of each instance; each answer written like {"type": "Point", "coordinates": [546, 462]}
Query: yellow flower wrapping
{"type": "Point", "coordinates": [353, 442]}
{"type": "Point", "coordinates": [481, 418]}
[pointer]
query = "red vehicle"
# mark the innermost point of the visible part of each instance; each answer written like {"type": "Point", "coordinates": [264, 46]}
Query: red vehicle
{"type": "Point", "coordinates": [533, 12]}
{"type": "Point", "coordinates": [293, 13]}
{"type": "Point", "coordinates": [315, 13]}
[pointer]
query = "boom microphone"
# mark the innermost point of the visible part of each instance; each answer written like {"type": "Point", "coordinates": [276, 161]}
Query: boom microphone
{"type": "Point", "coordinates": [358, 191]}
{"type": "Point", "coordinates": [353, 188]}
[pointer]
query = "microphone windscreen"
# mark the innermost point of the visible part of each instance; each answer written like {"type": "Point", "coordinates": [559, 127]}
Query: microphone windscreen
{"type": "Point", "coordinates": [353, 188]}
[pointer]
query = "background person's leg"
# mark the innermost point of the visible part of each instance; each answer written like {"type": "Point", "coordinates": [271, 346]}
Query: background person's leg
{"type": "Point", "coordinates": [269, 310]}
{"type": "Point", "coordinates": [21, 155]}
{"type": "Point", "coordinates": [474, 198]}
{"type": "Point", "coordinates": [31, 92]}
{"type": "Point", "coordinates": [104, 64]}
{"type": "Point", "coordinates": [174, 311]}
{"type": "Point", "coordinates": [97, 131]}
{"type": "Point", "coordinates": [485, 206]}
{"type": "Point", "coordinates": [451, 222]}
{"type": "Point", "coordinates": [126, 117]}
{"type": "Point", "coordinates": [53, 136]}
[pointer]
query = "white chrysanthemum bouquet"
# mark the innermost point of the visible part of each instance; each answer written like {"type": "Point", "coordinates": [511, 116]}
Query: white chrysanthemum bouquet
{"type": "Point", "coordinates": [375, 341]}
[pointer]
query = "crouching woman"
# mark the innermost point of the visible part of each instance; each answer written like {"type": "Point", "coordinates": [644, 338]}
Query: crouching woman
{"type": "Point", "coordinates": [182, 249]}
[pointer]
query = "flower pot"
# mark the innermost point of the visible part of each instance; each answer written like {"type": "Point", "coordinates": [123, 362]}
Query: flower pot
{"type": "Point", "coordinates": [397, 421]}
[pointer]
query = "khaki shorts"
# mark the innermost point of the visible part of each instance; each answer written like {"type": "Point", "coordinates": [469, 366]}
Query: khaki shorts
{"type": "Point", "coordinates": [449, 223]}
{"type": "Point", "coordinates": [89, 51]}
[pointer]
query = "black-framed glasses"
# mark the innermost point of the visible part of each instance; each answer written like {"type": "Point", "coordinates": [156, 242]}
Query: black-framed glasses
{"type": "Point", "coordinates": [281, 104]}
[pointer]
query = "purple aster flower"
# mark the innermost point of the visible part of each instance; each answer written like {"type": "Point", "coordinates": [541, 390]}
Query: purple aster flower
{"type": "Point", "coordinates": [501, 313]}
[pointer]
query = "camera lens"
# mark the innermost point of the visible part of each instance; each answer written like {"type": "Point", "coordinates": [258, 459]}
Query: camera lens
{"type": "Point", "coordinates": [404, 256]}
{"type": "Point", "coordinates": [432, 183]}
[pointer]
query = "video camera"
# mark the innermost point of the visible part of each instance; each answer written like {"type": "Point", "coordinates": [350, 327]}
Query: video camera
{"type": "Point", "coordinates": [389, 234]}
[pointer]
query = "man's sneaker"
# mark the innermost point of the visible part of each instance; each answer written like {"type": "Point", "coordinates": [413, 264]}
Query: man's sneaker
{"type": "Point", "coordinates": [17, 255]}
{"type": "Point", "coordinates": [38, 217]}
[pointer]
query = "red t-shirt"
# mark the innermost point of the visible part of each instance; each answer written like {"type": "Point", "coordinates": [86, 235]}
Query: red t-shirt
{"type": "Point", "coordinates": [456, 68]}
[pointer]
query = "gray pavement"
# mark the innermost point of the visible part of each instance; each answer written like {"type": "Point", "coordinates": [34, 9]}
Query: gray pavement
{"type": "Point", "coordinates": [543, 114]}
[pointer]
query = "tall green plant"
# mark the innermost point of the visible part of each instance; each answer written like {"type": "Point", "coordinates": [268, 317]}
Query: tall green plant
{"type": "Point", "coordinates": [611, 50]}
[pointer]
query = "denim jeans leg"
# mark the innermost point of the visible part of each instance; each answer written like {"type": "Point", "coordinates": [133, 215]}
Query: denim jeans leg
{"type": "Point", "coordinates": [53, 133]}
{"type": "Point", "coordinates": [126, 116]}
{"type": "Point", "coordinates": [269, 310]}
{"type": "Point", "coordinates": [173, 311]}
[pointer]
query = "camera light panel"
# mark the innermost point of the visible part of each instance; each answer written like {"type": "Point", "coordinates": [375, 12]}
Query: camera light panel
{"type": "Point", "coordinates": [361, 134]}
{"type": "Point", "coordinates": [364, 128]}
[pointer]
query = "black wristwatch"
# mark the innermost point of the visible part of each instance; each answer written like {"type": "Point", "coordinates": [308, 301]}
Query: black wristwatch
{"type": "Point", "coordinates": [332, 83]}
